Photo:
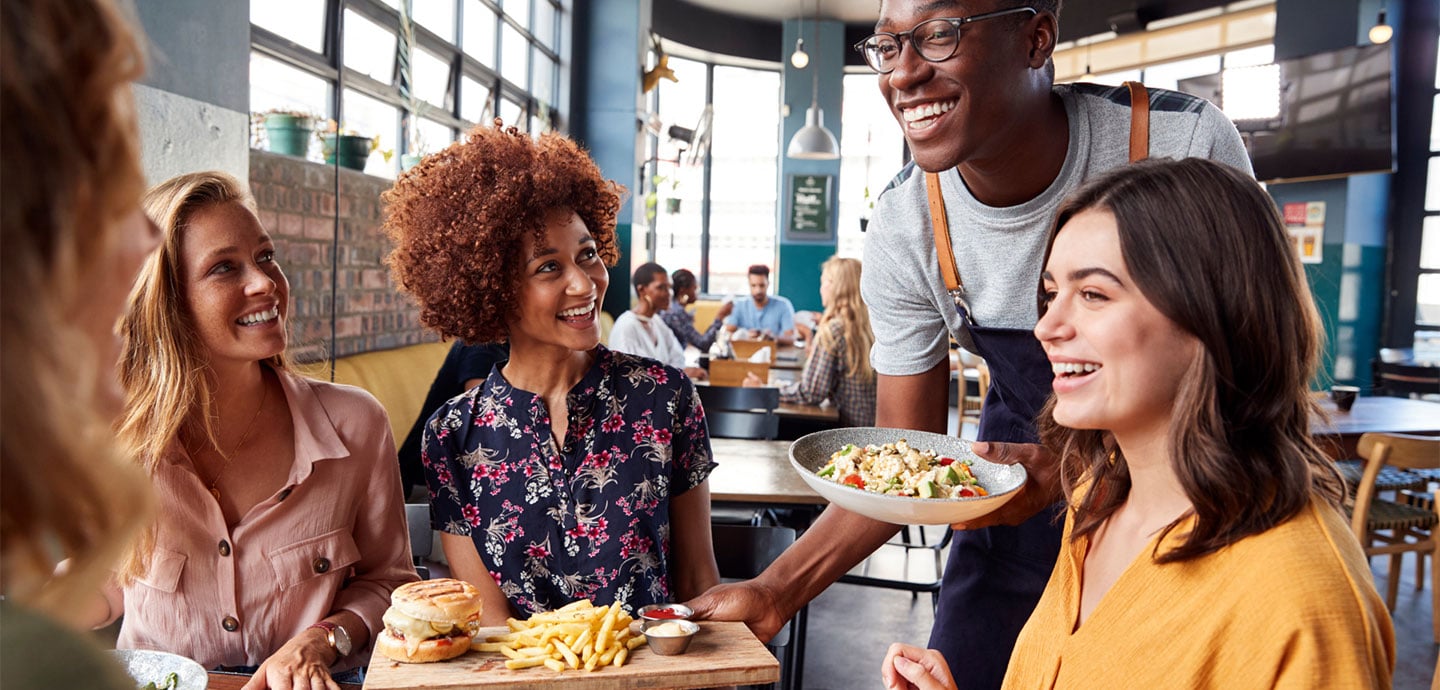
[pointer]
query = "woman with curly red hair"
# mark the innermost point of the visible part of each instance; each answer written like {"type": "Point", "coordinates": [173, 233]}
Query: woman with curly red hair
{"type": "Point", "coordinates": [573, 471]}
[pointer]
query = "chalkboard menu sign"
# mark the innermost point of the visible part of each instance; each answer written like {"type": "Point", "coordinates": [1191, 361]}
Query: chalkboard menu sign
{"type": "Point", "coordinates": [809, 201]}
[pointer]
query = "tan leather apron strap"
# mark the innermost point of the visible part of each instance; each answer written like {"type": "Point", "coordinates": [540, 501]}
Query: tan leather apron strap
{"type": "Point", "coordinates": [941, 226]}
{"type": "Point", "coordinates": [1139, 121]}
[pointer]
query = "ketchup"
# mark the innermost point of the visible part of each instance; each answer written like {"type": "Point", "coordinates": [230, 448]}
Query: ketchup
{"type": "Point", "coordinates": [664, 614]}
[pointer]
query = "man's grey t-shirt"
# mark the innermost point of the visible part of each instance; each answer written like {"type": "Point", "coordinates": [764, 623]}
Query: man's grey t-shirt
{"type": "Point", "coordinates": [999, 250]}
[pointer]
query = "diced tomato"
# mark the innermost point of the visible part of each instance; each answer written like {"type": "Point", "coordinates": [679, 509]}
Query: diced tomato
{"type": "Point", "coordinates": [854, 480]}
{"type": "Point", "coordinates": [966, 492]}
{"type": "Point", "coordinates": [944, 460]}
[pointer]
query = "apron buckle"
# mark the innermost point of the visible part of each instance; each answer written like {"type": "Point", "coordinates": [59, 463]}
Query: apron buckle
{"type": "Point", "coordinates": [958, 295]}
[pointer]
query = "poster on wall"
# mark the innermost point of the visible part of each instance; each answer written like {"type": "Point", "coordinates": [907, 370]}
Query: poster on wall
{"type": "Point", "coordinates": [1306, 222]}
{"type": "Point", "coordinates": [809, 202]}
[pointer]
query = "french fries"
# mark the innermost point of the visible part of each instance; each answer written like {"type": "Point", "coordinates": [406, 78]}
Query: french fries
{"type": "Point", "coordinates": [574, 636]}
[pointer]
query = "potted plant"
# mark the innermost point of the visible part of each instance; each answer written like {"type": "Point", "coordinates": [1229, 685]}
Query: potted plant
{"type": "Point", "coordinates": [347, 148]}
{"type": "Point", "coordinates": [672, 201]}
{"type": "Point", "coordinates": [868, 206]}
{"type": "Point", "coordinates": [286, 131]}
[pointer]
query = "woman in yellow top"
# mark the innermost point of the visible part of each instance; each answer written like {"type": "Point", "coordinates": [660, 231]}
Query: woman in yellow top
{"type": "Point", "coordinates": [1204, 547]}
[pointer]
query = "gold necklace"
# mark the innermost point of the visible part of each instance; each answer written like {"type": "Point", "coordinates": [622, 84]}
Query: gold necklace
{"type": "Point", "coordinates": [265, 395]}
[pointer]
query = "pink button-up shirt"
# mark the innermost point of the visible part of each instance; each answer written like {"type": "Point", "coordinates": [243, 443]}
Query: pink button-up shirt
{"type": "Point", "coordinates": [333, 538]}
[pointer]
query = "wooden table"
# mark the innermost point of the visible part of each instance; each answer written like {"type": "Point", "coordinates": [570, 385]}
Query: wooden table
{"type": "Point", "coordinates": [220, 680]}
{"type": "Point", "coordinates": [788, 357]}
{"type": "Point", "coordinates": [1341, 433]}
{"type": "Point", "coordinates": [814, 413]}
{"type": "Point", "coordinates": [757, 472]}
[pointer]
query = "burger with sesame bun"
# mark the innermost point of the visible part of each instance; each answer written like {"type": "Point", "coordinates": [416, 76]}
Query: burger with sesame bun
{"type": "Point", "coordinates": [430, 620]}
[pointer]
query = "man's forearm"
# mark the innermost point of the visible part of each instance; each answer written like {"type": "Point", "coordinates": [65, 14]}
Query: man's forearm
{"type": "Point", "coordinates": [834, 544]}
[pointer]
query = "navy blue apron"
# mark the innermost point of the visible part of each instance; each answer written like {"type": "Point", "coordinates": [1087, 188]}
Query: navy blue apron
{"type": "Point", "coordinates": [995, 575]}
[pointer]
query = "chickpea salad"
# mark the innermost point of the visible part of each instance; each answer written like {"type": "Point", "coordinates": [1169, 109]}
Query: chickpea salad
{"type": "Point", "coordinates": [896, 469]}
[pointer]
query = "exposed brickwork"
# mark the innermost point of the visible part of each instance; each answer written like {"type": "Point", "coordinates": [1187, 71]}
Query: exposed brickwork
{"type": "Point", "coordinates": [297, 204]}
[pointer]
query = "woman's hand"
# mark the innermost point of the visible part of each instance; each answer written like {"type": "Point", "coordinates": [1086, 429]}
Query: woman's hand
{"type": "Point", "coordinates": [752, 381]}
{"type": "Point", "coordinates": [725, 310]}
{"type": "Point", "coordinates": [1042, 485]}
{"type": "Point", "coordinates": [697, 373]}
{"type": "Point", "coordinates": [912, 668]}
{"type": "Point", "coordinates": [302, 664]}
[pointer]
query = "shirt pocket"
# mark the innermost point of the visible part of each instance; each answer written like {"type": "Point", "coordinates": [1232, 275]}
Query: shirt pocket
{"type": "Point", "coordinates": [164, 571]}
{"type": "Point", "coordinates": [316, 557]}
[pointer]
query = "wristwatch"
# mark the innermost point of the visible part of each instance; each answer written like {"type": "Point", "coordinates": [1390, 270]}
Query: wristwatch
{"type": "Point", "coordinates": [337, 637]}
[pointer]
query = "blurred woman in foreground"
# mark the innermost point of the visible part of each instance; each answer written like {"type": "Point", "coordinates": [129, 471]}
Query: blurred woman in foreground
{"type": "Point", "coordinates": [1204, 546]}
{"type": "Point", "coordinates": [73, 238]}
{"type": "Point", "coordinates": [282, 529]}
{"type": "Point", "coordinates": [572, 472]}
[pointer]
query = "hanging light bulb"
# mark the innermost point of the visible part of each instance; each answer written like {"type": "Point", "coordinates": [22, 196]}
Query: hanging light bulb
{"type": "Point", "coordinates": [1088, 75]}
{"type": "Point", "coordinates": [799, 59]}
{"type": "Point", "coordinates": [1381, 32]}
{"type": "Point", "coordinates": [813, 141]}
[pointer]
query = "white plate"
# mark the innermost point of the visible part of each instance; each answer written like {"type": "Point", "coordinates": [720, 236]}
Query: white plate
{"type": "Point", "coordinates": [810, 453]}
{"type": "Point", "coordinates": [148, 666]}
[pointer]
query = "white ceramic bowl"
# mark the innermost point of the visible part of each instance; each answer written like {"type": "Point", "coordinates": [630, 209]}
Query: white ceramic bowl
{"type": "Point", "coordinates": [810, 453]}
{"type": "Point", "coordinates": [147, 666]}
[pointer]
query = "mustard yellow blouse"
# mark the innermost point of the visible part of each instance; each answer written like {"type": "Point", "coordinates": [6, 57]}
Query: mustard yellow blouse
{"type": "Point", "coordinates": [1293, 607]}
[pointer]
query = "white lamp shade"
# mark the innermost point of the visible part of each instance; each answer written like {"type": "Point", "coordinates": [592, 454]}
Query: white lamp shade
{"type": "Point", "coordinates": [1380, 33]}
{"type": "Point", "coordinates": [813, 141]}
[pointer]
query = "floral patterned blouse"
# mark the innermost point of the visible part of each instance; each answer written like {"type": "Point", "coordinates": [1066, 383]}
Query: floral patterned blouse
{"type": "Point", "coordinates": [590, 519]}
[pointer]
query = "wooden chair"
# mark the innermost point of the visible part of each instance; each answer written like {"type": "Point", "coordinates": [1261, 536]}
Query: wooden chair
{"type": "Point", "coordinates": [417, 519]}
{"type": "Point", "coordinates": [1400, 380]}
{"type": "Point", "coordinates": [970, 406]}
{"type": "Point", "coordinates": [743, 552]}
{"type": "Point", "coordinates": [731, 372]}
{"type": "Point", "coordinates": [1396, 528]}
{"type": "Point", "coordinates": [745, 348]}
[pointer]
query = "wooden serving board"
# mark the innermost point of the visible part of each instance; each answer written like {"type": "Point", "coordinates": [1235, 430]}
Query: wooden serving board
{"type": "Point", "coordinates": [722, 653]}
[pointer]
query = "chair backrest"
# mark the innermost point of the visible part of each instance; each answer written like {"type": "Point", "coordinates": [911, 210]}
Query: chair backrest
{"type": "Point", "coordinates": [607, 323]}
{"type": "Point", "coordinates": [731, 372]}
{"type": "Point", "coordinates": [1408, 451]}
{"type": "Point", "coordinates": [1402, 380]}
{"type": "Point", "coordinates": [743, 349]}
{"type": "Point", "coordinates": [705, 311]}
{"type": "Point", "coordinates": [737, 412]}
{"type": "Point", "coordinates": [744, 551]}
{"type": "Point", "coordinates": [417, 518]}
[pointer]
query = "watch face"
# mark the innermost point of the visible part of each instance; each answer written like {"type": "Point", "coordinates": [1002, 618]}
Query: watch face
{"type": "Point", "coordinates": [341, 641]}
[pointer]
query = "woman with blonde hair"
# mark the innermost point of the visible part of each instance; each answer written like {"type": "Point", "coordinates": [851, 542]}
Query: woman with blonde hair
{"type": "Point", "coordinates": [74, 237]}
{"type": "Point", "coordinates": [837, 366]}
{"type": "Point", "coordinates": [282, 529]}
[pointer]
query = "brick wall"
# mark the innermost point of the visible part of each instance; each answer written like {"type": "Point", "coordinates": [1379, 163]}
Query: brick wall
{"type": "Point", "coordinates": [298, 206]}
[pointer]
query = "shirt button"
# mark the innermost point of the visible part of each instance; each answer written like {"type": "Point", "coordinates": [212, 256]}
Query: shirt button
{"type": "Point", "coordinates": [230, 624]}
{"type": "Point", "coordinates": [322, 565]}
{"type": "Point", "coordinates": [224, 548]}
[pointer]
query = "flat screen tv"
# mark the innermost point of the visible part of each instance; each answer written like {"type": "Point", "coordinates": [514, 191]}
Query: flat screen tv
{"type": "Point", "coordinates": [1322, 115]}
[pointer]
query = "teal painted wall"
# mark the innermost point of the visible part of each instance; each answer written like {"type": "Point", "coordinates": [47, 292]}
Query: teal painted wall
{"type": "Point", "coordinates": [799, 268]}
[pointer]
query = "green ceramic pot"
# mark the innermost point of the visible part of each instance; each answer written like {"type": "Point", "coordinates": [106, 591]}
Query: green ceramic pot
{"type": "Point", "coordinates": [348, 150]}
{"type": "Point", "coordinates": [288, 134]}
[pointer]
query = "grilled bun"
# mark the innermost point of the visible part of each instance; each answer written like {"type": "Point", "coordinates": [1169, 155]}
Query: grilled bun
{"type": "Point", "coordinates": [441, 600]}
{"type": "Point", "coordinates": [434, 649]}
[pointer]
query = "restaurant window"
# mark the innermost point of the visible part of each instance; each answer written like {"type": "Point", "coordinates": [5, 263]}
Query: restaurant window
{"type": "Point", "coordinates": [675, 193]}
{"type": "Point", "coordinates": [872, 151]}
{"type": "Point", "coordinates": [745, 156]}
{"type": "Point", "coordinates": [291, 67]}
{"type": "Point", "coordinates": [1427, 283]}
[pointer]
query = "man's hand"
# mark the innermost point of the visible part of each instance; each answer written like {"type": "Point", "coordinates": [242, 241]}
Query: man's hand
{"type": "Point", "coordinates": [697, 373]}
{"type": "Point", "coordinates": [303, 663]}
{"type": "Point", "coordinates": [747, 601]}
{"type": "Point", "coordinates": [1042, 486]}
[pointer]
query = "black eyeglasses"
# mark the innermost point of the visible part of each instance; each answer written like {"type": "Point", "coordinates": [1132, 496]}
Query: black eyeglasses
{"type": "Point", "coordinates": [934, 39]}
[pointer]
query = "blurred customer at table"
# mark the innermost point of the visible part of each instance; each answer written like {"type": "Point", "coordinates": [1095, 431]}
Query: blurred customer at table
{"type": "Point", "coordinates": [1183, 338]}
{"type": "Point", "coordinates": [837, 366]}
{"type": "Point", "coordinates": [641, 332]}
{"type": "Point", "coordinates": [573, 471]}
{"type": "Point", "coordinates": [74, 237]}
{"type": "Point", "coordinates": [465, 367]}
{"type": "Point", "coordinates": [681, 322]}
{"type": "Point", "coordinates": [282, 528]}
{"type": "Point", "coordinates": [763, 316]}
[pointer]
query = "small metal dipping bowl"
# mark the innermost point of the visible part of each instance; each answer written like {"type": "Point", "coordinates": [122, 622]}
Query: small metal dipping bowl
{"type": "Point", "coordinates": [682, 612]}
{"type": "Point", "coordinates": [669, 645]}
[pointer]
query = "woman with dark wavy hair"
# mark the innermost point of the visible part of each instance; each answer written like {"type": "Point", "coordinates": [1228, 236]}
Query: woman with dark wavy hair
{"type": "Point", "coordinates": [1204, 545]}
{"type": "Point", "coordinates": [573, 471]}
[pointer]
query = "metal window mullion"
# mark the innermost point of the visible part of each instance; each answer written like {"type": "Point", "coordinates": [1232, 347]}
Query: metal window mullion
{"type": "Point", "coordinates": [293, 54]}
{"type": "Point", "coordinates": [705, 172]}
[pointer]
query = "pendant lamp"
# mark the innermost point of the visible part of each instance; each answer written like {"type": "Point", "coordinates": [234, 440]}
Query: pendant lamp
{"type": "Point", "coordinates": [1381, 32]}
{"type": "Point", "coordinates": [813, 141]}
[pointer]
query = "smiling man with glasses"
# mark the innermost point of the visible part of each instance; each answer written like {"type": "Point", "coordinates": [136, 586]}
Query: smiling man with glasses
{"type": "Point", "coordinates": [971, 83]}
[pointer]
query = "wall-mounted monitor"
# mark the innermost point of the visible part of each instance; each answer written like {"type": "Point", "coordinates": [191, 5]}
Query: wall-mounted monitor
{"type": "Point", "coordinates": [1321, 115]}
